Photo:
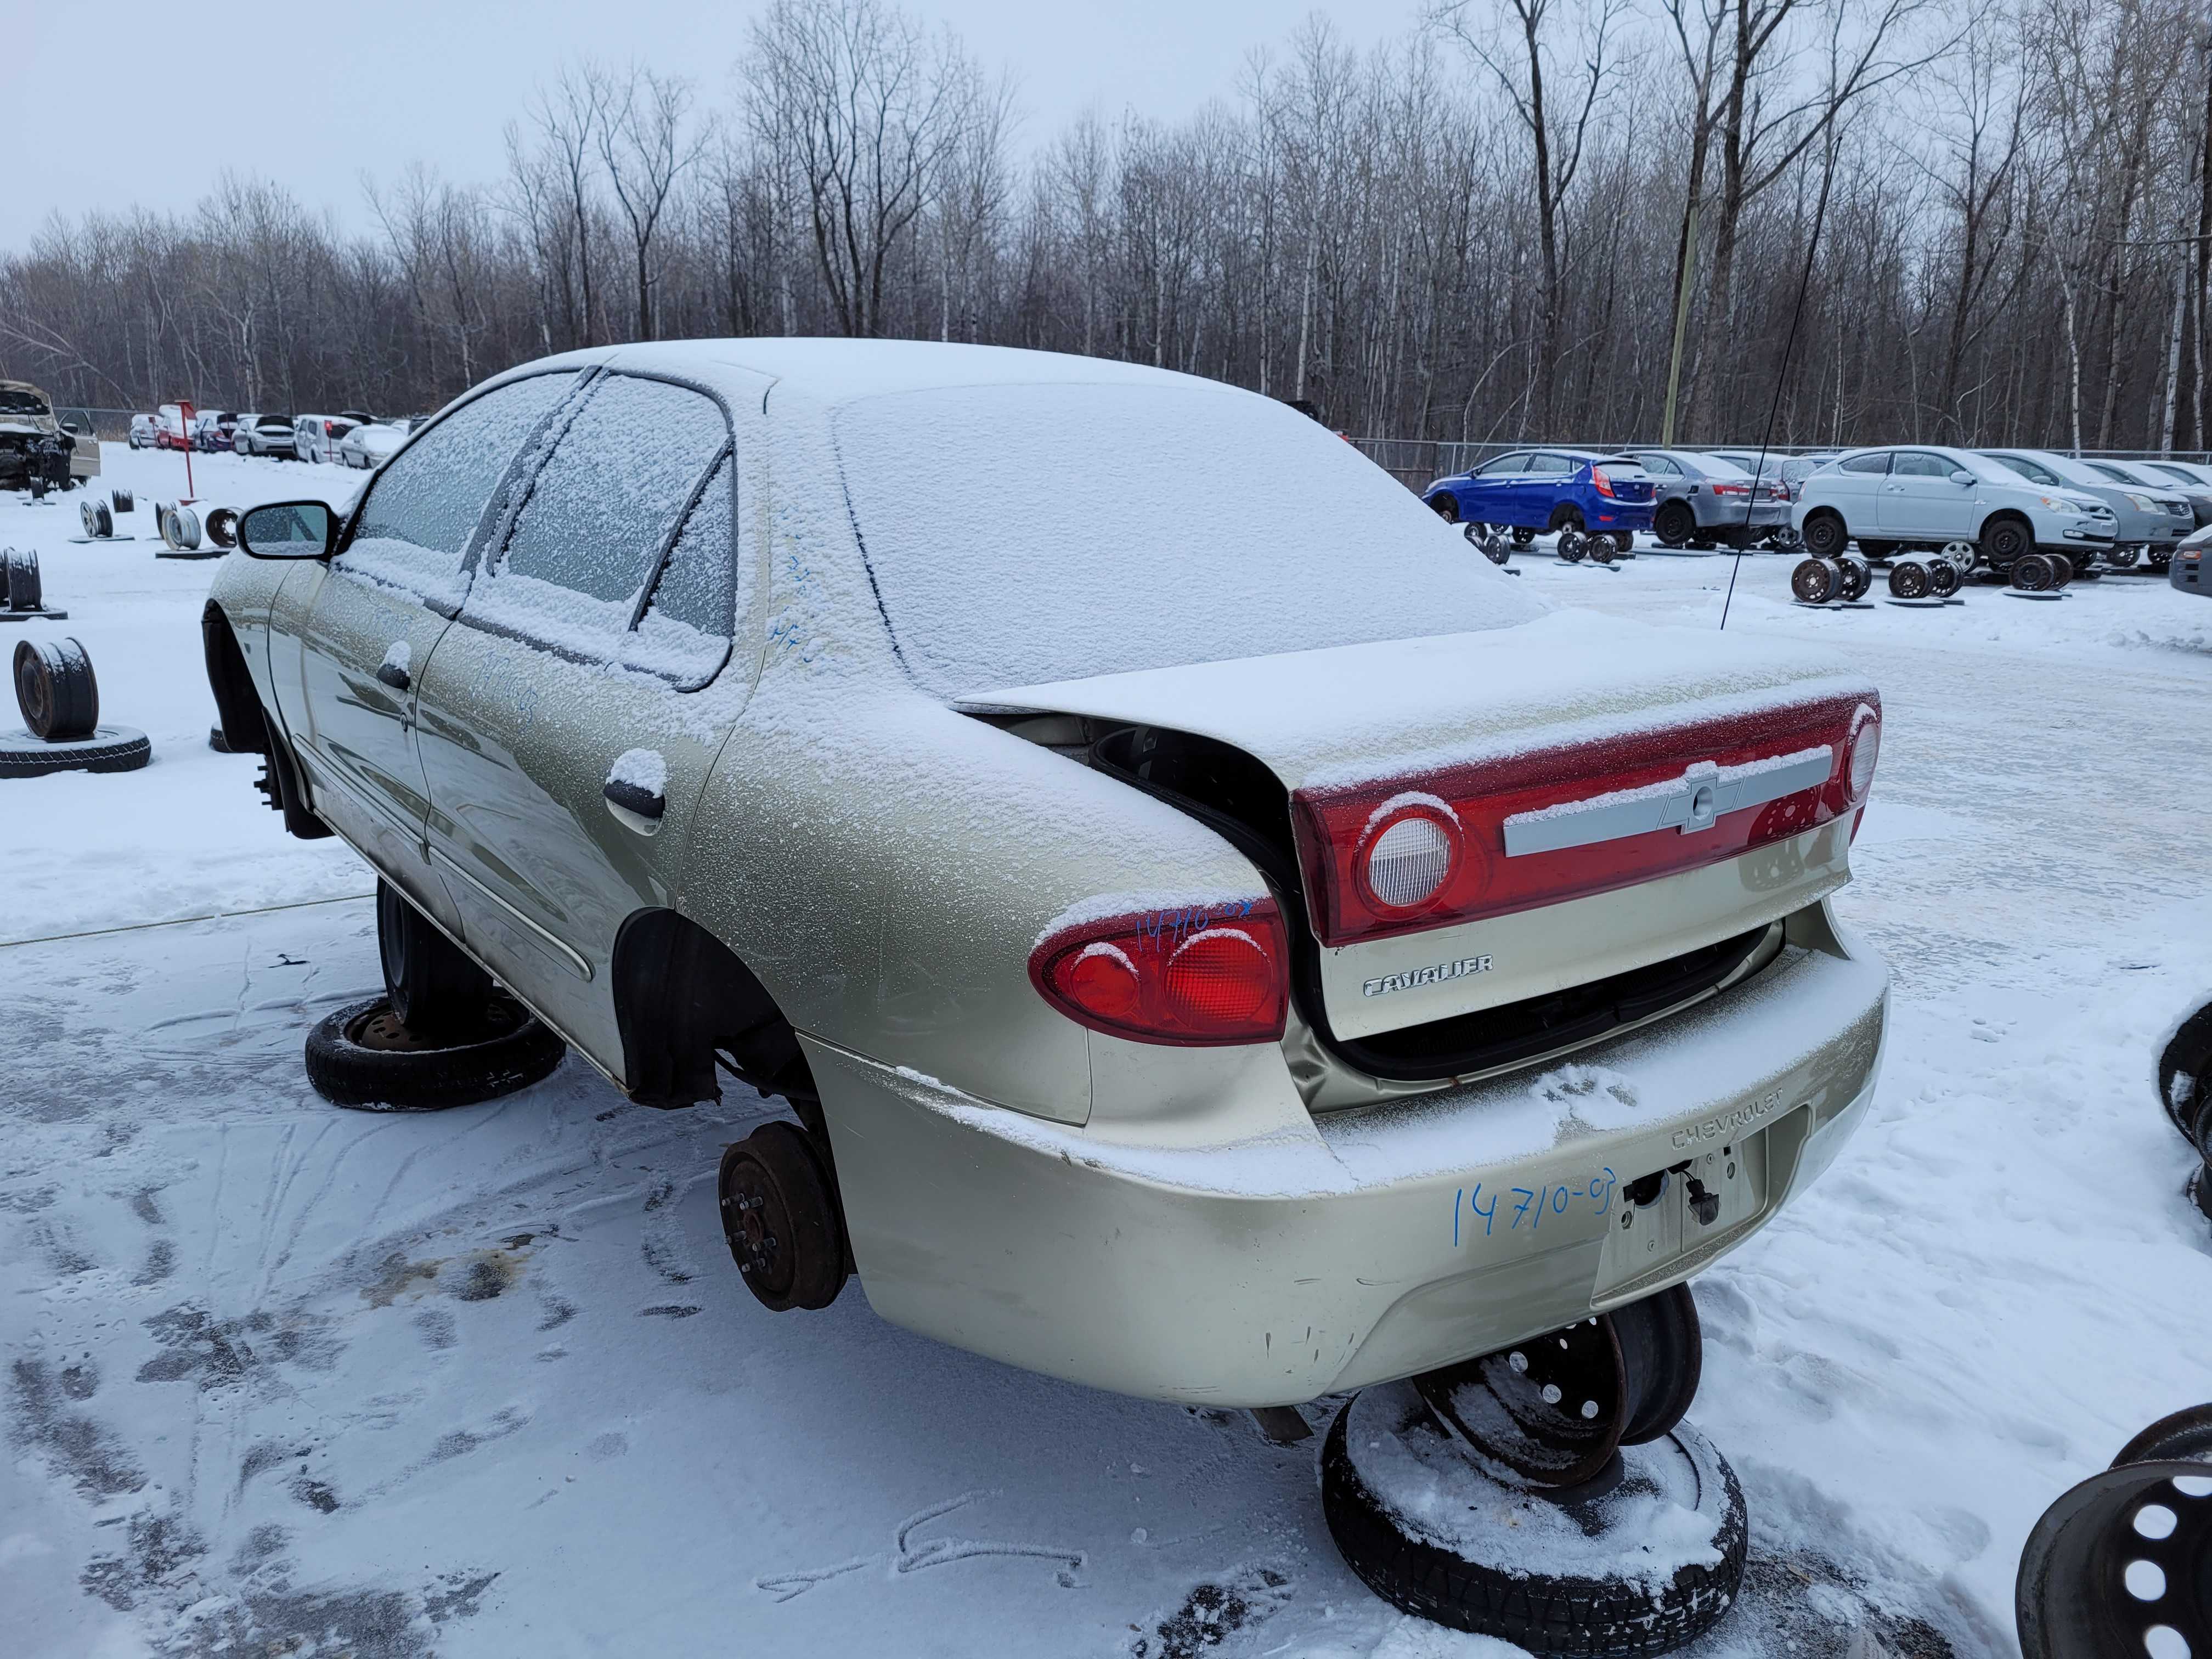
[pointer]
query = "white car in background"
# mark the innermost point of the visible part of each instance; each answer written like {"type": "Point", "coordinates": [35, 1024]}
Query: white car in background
{"type": "Point", "coordinates": [316, 437]}
{"type": "Point", "coordinates": [1927, 495]}
{"type": "Point", "coordinates": [373, 444]}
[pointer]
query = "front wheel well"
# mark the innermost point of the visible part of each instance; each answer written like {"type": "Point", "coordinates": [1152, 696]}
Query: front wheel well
{"type": "Point", "coordinates": [2005, 516]}
{"type": "Point", "coordinates": [684, 1002]}
{"type": "Point", "coordinates": [237, 704]}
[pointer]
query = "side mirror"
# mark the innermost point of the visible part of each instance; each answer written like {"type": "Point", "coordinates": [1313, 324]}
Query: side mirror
{"type": "Point", "coordinates": [289, 530]}
{"type": "Point", "coordinates": [1960, 476]}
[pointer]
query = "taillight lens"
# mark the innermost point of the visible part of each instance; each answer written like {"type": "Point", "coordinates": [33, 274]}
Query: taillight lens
{"type": "Point", "coordinates": [1412, 843]}
{"type": "Point", "coordinates": [1599, 483]}
{"type": "Point", "coordinates": [1551, 824]}
{"type": "Point", "coordinates": [1731, 490]}
{"type": "Point", "coordinates": [1865, 751]}
{"type": "Point", "coordinates": [1197, 976]}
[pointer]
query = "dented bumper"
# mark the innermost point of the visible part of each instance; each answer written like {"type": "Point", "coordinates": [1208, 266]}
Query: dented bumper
{"type": "Point", "coordinates": [1325, 1253]}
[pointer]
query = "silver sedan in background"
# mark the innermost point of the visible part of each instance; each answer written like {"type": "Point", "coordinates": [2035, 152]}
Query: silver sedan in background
{"type": "Point", "coordinates": [1703, 499]}
{"type": "Point", "coordinates": [2147, 524]}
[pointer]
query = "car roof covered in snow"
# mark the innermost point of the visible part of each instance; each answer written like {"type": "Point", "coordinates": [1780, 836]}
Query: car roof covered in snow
{"type": "Point", "coordinates": [832, 372]}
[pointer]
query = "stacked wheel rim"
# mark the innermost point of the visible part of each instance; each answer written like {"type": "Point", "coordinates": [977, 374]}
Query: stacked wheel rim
{"type": "Point", "coordinates": [98, 522]}
{"type": "Point", "coordinates": [1908, 579]}
{"type": "Point", "coordinates": [1571, 545]}
{"type": "Point", "coordinates": [1816, 580]}
{"type": "Point", "coordinates": [2033, 573]}
{"type": "Point", "coordinates": [56, 690]}
{"type": "Point", "coordinates": [1943, 578]}
{"type": "Point", "coordinates": [221, 526]}
{"type": "Point", "coordinates": [1857, 576]}
{"type": "Point", "coordinates": [2121, 1565]}
{"type": "Point", "coordinates": [2062, 569]}
{"type": "Point", "coordinates": [1533, 1580]}
{"type": "Point", "coordinates": [21, 588]}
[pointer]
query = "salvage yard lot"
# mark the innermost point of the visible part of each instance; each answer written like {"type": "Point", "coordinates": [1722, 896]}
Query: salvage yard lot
{"type": "Point", "coordinates": [286, 1378]}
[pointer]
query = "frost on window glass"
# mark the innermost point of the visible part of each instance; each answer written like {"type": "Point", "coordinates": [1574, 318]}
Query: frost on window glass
{"type": "Point", "coordinates": [424, 505]}
{"type": "Point", "coordinates": [600, 512]}
{"type": "Point", "coordinates": [685, 631]}
{"type": "Point", "coordinates": [1019, 534]}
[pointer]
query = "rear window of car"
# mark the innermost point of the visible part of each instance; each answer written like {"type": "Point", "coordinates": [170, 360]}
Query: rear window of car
{"type": "Point", "coordinates": [1019, 534]}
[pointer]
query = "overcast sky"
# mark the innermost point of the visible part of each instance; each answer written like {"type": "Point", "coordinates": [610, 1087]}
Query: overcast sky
{"type": "Point", "coordinates": [151, 100]}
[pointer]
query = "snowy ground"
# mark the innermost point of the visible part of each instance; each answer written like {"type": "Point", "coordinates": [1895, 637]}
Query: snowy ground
{"type": "Point", "coordinates": [287, 1379]}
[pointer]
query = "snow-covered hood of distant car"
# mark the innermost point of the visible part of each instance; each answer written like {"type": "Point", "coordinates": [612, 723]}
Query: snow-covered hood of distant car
{"type": "Point", "coordinates": [1357, 713]}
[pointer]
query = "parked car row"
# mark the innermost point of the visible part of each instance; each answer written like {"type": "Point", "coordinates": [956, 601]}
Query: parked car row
{"type": "Point", "coordinates": [2006, 502]}
{"type": "Point", "coordinates": [1685, 498]}
{"type": "Point", "coordinates": [350, 438]}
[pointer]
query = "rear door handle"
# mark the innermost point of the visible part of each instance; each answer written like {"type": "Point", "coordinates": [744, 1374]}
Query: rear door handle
{"type": "Point", "coordinates": [391, 674]}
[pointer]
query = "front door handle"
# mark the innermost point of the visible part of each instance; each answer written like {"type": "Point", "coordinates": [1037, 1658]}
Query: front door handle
{"type": "Point", "coordinates": [391, 674]}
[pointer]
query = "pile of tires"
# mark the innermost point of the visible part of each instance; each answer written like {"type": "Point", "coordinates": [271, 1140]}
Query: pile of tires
{"type": "Point", "coordinates": [2042, 573]}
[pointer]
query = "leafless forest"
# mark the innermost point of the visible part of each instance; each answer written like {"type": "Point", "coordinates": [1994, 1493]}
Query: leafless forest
{"type": "Point", "coordinates": [1979, 221]}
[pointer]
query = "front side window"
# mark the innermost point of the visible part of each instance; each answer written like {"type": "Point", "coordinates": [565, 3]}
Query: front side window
{"type": "Point", "coordinates": [424, 506]}
{"type": "Point", "coordinates": [2034, 470]}
{"type": "Point", "coordinates": [589, 535]}
{"type": "Point", "coordinates": [1919, 464]}
{"type": "Point", "coordinates": [1504, 464]}
{"type": "Point", "coordinates": [1877, 462]}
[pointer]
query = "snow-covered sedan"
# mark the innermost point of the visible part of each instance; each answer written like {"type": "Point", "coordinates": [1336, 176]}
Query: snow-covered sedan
{"type": "Point", "coordinates": [1924, 496]}
{"type": "Point", "coordinates": [374, 442]}
{"type": "Point", "coordinates": [1220, 947]}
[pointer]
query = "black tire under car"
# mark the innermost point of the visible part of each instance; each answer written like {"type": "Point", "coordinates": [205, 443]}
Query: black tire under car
{"type": "Point", "coordinates": [362, 1056]}
{"type": "Point", "coordinates": [1542, 1612]}
{"type": "Point", "coordinates": [105, 749]}
{"type": "Point", "coordinates": [2005, 542]}
{"type": "Point", "coordinates": [2184, 1079]}
{"type": "Point", "coordinates": [1824, 536]}
{"type": "Point", "coordinates": [1674, 523]}
{"type": "Point", "coordinates": [436, 988]}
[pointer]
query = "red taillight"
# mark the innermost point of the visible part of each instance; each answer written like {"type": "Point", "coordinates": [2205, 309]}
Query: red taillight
{"type": "Point", "coordinates": [1218, 974]}
{"type": "Point", "coordinates": [1731, 490]}
{"type": "Point", "coordinates": [1599, 483]}
{"type": "Point", "coordinates": [1564, 822]}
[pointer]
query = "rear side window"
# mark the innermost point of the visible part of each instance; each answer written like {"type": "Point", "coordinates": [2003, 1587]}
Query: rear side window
{"type": "Point", "coordinates": [684, 633]}
{"type": "Point", "coordinates": [590, 533]}
{"type": "Point", "coordinates": [423, 508]}
{"type": "Point", "coordinates": [1551, 465]}
{"type": "Point", "coordinates": [1877, 462]}
{"type": "Point", "coordinates": [1659, 467]}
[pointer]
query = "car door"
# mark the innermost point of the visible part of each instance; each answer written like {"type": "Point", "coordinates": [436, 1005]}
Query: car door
{"type": "Point", "coordinates": [1487, 497]}
{"type": "Point", "coordinates": [349, 640]}
{"type": "Point", "coordinates": [1919, 501]}
{"type": "Point", "coordinates": [594, 613]}
{"type": "Point", "coordinates": [1854, 488]}
{"type": "Point", "coordinates": [1543, 487]}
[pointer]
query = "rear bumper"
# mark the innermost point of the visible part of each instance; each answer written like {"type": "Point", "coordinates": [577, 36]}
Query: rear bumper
{"type": "Point", "coordinates": [1322, 1253]}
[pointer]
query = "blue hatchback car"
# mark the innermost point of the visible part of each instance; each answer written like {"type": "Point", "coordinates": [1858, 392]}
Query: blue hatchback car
{"type": "Point", "coordinates": [1529, 491]}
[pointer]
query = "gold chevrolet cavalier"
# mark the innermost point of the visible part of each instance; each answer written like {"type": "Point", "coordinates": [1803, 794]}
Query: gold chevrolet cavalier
{"type": "Point", "coordinates": [1221, 939]}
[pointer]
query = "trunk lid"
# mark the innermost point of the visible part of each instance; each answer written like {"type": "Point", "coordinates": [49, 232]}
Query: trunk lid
{"type": "Point", "coordinates": [1587, 734]}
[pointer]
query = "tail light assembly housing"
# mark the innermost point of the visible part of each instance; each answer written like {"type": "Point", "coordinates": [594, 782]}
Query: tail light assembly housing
{"type": "Point", "coordinates": [1194, 978]}
{"type": "Point", "coordinates": [1494, 837]}
{"type": "Point", "coordinates": [1600, 482]}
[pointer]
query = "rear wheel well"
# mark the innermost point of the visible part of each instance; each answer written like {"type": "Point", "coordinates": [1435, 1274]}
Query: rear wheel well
{"type": "Point", "coordinates": [684, 1002]}
{"type": "Point", "coordinates": [1566, 517]}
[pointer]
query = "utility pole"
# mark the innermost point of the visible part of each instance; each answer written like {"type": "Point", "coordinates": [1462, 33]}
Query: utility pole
{"type": "Point", "coordinates": [1681, 320]}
